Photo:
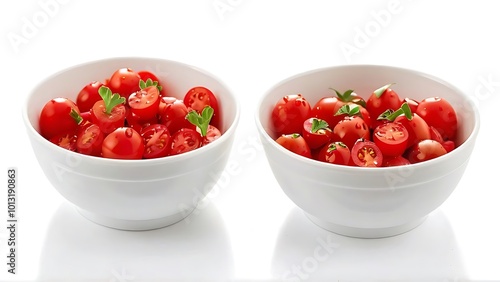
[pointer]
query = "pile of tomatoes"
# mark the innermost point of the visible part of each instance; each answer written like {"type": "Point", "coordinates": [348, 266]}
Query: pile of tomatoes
{"type": "Point", "coordinates": [384, 130]}
{"type": "Point", "coordinates": [130, 116]}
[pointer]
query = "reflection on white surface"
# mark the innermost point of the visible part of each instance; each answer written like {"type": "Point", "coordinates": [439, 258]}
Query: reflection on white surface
{"type": "Point", "coordinates": [305, 252]}
{"type": "Point", "coordinates": [77, 249]}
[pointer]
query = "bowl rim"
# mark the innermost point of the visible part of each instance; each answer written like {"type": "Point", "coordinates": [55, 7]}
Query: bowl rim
{"type": "Point", "coordinates": [353, 169]}
{"type": "Point", "coordinates": [228, 133]}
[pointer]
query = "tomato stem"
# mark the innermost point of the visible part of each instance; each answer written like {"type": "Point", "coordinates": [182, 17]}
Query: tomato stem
{"type": "Point", "coordinates": [149, 82]}
{"type": "Point", "coordinates": [391, 115]}
{"type": "Point", "coordinates": [76, 116]}
{"type": "Point", "coordinates": [201, 121]}
{"type": "Point", "coordinates": [110, 100]}
{"type": "Point", "coordinates": [349, 109]}
{"type": "Point", "coordinates": [318, 124]}
{"type": "Point", "coordinates": [382, 89]}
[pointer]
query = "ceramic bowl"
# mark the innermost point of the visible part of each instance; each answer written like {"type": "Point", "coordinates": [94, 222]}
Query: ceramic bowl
{"type": "Point", "coordinates": [132, 194]}
{"type": "Point", "coordinates": [368, 202]}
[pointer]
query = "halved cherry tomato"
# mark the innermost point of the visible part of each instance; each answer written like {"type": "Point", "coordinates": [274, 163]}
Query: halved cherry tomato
{"type": "Point", "coordinates": [213, 133]}
{"type": "Point", "coordinates": [425, 150]}
{"type": "Point", "coordinates": [124, 81]}
{"type": "Point", "coordinates": [391, 138]}
{"type": "Point", "coordinates": [174, 116]}
{"type": "Point", "coordinates": [65, 140]}
{"type": "Point", "coordinates": [439, 113]}
{"type": "Point", "coordinates": [185, 140]}
{"type": "Point", "coordinates": [350, 129]}
{"type": "Point", "coordinates": [316, 132]}
{"type": "Point", "coordinates": [449, 145]}
{"type": "Point", "coordinates": [88, 96]}
{"type": "Point", "coordinates": [289, 113]}
{"type": "Point", "coordinates": [145, 102]}
{"type": "Point", "coordinates": [295, 143]}
{"type": "Point", "coordinates": [366, 154]}
{"type": "Point", "coordinates": [418, 129]}
{"type": "Point", "coordinates": [395, 161]}
{"type": "Point", "coordinates": [56, 119]}
{"type": "Point", "coordinates": [108, 122]}
{"type": "Point", "coordinates": [197, 98]}
{"type": "Point", "coordinates": [123, 143]}
{"type": "Point", "coordinates": [156, 141]}
{"type": "Point", "coordinates": [335, 153]}
{"type": "Point", "coordinates": [89, 139]}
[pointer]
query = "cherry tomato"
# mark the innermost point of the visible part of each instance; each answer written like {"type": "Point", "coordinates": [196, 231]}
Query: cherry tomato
{"type": "Point", "coordinates": [289, 113]}
{"type": "Point", "coordinates": [395, 161]}
{"type": "Point", "coordinates": [88, 96]}
{"type": "Point", "coordinates": [417, 128]}
{"type": "Point", "coordinates": [425, 150]}
{"type": "Point", "coordinates": [335, 153]}
{"type": "Point", "coordinates": [55, 118]}
{"type": "Point", "coordinates": [316, 132]}
{"type": "Point", "coordinates": [435, 135]}
{"type": "Point", "coordinates": [65, 140]}
{"type": "Point", "coordinates": [174, 117]}
{"type": "Point", "coordinates": [449, 145]}
{"type": "Point", "coordinates": [156, 141]}
{"type": "Point", "coordinates": [366, 154]}
{"type": "Point", "coordinates": [381, 100]}
{"type": "Point", "coordinates": [123, 143]}
{"type": "Point", "coordinates": [185, 140]}
{"type": "Point", "coordinates": [213, 133]}
{"type": "Point", "coordinates": [391, 138]}
{"type": "Point", "coordinates": [295, 143]}
{"type": "Point", "coordinates": [350, 129]}
{"type": "Point", "coordinates": [412, 103]}
{"type": "Point", "coordinates": [145, 75]}
{"type": "Point", "coordinates": [89, 139]}
{"type": "Point", "coordinates": [439, 113]}
{"type": "Point", "coordinates": [197, 98]}
{"type": "Point", "coordinates": [145, 103]}
{"type": "Point", "coordinates": [124, 81]}
{"type": "Point", "coordinates": [108, 122]}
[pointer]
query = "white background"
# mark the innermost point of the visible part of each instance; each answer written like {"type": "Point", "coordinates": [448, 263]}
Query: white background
{"type": "Point", "coordinates": [247, 230]}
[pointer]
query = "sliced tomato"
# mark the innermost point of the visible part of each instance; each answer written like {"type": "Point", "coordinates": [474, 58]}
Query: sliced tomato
{"type": "Point", "coordinates": [174, 116]}
{"type": "Point", "coordinates": [316, 132]}
{"type": "Point", "coordinates": [365, 153]}
{"type": "Point", "coordinates": [418, 129]}
{"type": "Point", "coordinates": [197, 98]}
{"type": "Point", "coordinates": [185, 140]}
{"type": "Point", "coordinates": [425, 150]}
{"type": "Point", "coordinates": [213, 133]}
{"type": "Point", "coordinates": [145, 75]}
{"type": "Point", "coordinates": [156, 141]}
{"type": "Point", "coordinates": [145, 103]}
{"type": "Point", "coordinates": [335, 153]}
{"type": "Point", "coordinates": [65, 140]}
{"type": "Point", "coordinates": [89, 139]}
{"type": "Point", "coordinates": [108, 122]}
{"type": "Point", "coordinates": [391, 138]}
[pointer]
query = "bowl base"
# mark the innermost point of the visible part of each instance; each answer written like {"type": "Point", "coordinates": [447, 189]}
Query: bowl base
{"type": "Point", "coordinates": [134, 225]}
{"type": "Point", "coordinates": [367, 233]}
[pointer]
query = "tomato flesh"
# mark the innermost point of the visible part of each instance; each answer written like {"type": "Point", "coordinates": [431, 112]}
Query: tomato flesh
{"type": "Point", "coordinates": [108, 122]}
{"type": "Point", "coordinates": [156, 141]}
{"type": "Point", "coordinates": [89, 140]}
{"type": "Point", "coordinates": [145, 102]}
{"type": "Point", "coordinates": [197, 98]}
{"type": "Point", "coordinates": [391, 138]}
{"type": "Point", "coordinates": [185, 140]}
{"type": "Point", "coordinates": [366, 154]}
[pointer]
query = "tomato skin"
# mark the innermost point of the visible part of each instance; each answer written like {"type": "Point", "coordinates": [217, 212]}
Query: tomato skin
{"type": "Point", "coordinates": [295, 143]}
{"type": "Point", "coordinates": [108, 123]}
{"type": "Point", "coordinates": [425, 150]}
{"type": "Point", "coordinates": [89, 139]}
{"type": "Point", "coordinates": [327, 107]}
{"type": "Point", "coordinates": [439, 113]}
{"type": "Point", "coordinates": [174, 116]}
{"type": "Point", "coordinates": [185, 140]}
{"type": "Point", "coordinates": [197, 98]}
{"type": "Point", "coordinates": [123, 143]}
{"type": "Point", "coordinates": [156, 141]}
{"type": "Point", "coordinates": [316, 139]}
{"type": "Point", "coordinates": [391, 138]}
{"type": "Point", "coordinates": [289, 114]}
{"type": "Point", "coordinates": [334, 153]}
{"type": "Point", "coordinates": [145, 103]}
{"type": "Point", "coordinates": [449, 145]}
{"type": "Point", "coordinates": [418, 129]}
{"type": "Point", "coordinates": [55, 118]}
{"type": "Point", "coordinates": [395, 161]}
{"type": "Point", "coordinates": [88, 96]}
{"type": "Point", "coordinates": [365, 153]}
{"type": "Point", "coordinates": [388, 100]}
{"type": "Point", "coordinates": [124, 81]}
{"type": "Point", "coordinates": [350, 129]}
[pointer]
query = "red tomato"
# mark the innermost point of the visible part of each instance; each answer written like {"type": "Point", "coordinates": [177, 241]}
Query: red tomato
{"type": "Point", "coordinates": [395, 161]}
{"type": "Point", "coordinates": [381, 100]}
{"type": "Point", "coordinates": [435, 135]}
{"type": "Point", "coordinates": [55, 118]}
{"type": "Point", "coordinates": [366, 154]}
{"type": "Point", "coordinates": [197, 98]}
{"type": "Point", "coordinates": [65, 140]}
{"type": "Point", "coordinates": [327, 107]}
{"type": "Point", "coordinates": [412, 103]}
{"type": "Point", "coordinates": [89, 139]}
{"type": "Point", "coordinates": [449, 145]}
{"type": "Point", "coordinates": [213, 133]}
{"type": "Point", "coordinates": [185, 140]}
{"type": "Point", "coordinates": [174, 117]}
{"type": "Point", "coordinates": [124, 81]}
{"type": "Point", "coordinates": [145, 75]}
{"type": "Point", "coordinates": [123, 143]}
{"type": "Point", "coordinates": [88, 96]}
{"type": "Point", "coordinates": [145, 103]}
{"type": "Point", "coordinates": [316, 132]}
{"type": "Point", "coordinates": [418, 129]}
{"type": "Point", "coordinates": [425, 150]}
{"type": "Point", "coordinates": [350, 129]}
{"type": "Point", "coordinates": [156, 141]}
{"type": "Point", "coordinates": [391, 138]}
{"type": "Point", "coordinates": [289, 113]}
{"type": "Point", "coordinates": [335, 153]}
{"type": "Point", "coordinates": [295, 143]}
{"type": "Point", "coordinates": [439, 113]}
{"type": "Point", "coordinates": [108, 122]}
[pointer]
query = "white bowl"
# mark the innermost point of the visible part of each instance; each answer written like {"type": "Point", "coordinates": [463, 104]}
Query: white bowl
{"type": "Point", "coordinates": [132, 194]}
{"type": "Point", "coordinates": [368, 202]}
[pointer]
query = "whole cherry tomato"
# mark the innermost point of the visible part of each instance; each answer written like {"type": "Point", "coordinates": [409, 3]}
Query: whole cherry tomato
{"type": "Point", "coordinates": [295, 143]}
{"type": "Point", "coordinates": [123, 143]}
{"type": "Point", "coordinates": [289, 113]}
